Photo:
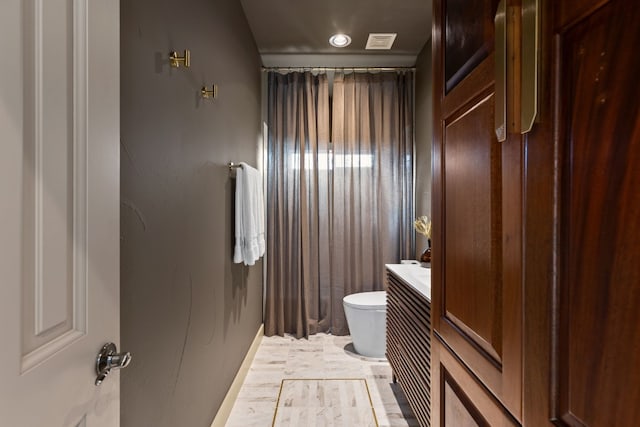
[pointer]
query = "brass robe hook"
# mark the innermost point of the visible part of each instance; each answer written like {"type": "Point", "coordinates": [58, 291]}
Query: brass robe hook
{"type": "Point", "coordinates": [209, 94]}
{"type": "Point", "coordinates": [175, 59]}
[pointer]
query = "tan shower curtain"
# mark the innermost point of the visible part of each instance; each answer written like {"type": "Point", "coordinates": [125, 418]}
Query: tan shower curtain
{"type": "Point", "coordinates": [297, 208]}
{"type": "Point", "coordinates": [337, 211]}
{"type": "Point", "coordinates": [372, 218]}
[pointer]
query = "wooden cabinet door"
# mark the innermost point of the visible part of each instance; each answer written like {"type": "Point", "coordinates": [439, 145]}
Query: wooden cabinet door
{"type": "Point", "coordinates": [477, 198]}
{"type": "Point", "coordinates": [582, 276]}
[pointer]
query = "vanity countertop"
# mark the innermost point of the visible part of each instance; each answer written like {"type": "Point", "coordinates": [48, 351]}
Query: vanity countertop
{"type": "Point", "coordinates": [415, 276]}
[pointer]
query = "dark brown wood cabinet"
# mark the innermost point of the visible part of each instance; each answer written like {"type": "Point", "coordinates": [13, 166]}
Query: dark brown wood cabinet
{"type": "Point", "coordinates": [536, 245]}
{"type": "Point", "coordinates": [477, 294]}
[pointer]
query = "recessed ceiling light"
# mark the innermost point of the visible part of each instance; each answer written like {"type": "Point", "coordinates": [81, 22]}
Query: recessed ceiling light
{"type": "Point", "coordinates": [340, 40]}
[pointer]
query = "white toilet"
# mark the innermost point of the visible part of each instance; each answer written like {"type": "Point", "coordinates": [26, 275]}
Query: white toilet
{"type": "Point", "coordinates": [366, 314]}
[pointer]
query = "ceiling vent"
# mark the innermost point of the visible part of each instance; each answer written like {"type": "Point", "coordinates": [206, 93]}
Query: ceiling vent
{"type": "Point", "coordinates": [381, 41]}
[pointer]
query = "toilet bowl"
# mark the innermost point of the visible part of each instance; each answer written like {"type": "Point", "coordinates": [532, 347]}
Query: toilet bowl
{"type": "Point", "coordinates": [366, 314]}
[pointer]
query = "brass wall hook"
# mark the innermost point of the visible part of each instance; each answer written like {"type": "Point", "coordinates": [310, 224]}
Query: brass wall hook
{"type": "Point", "coordinates": [175, 59]}
{"type": "Point", "coordinates": [209, 94]}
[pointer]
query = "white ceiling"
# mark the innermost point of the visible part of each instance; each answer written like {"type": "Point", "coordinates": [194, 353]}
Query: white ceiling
{"type": "Point", "coordinates": [295, 33]}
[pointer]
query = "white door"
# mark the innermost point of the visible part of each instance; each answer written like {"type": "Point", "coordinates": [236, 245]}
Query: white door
{"type": "Point", "coordinates": [59, 211]}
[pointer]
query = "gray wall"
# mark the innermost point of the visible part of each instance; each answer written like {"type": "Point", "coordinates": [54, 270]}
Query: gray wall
{"type": "Point", "coordinates": [424, 136]}
{"type": "Point", "coordinates": [189, 314]}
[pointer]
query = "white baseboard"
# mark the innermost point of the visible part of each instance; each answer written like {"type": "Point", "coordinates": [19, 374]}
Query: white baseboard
{"type": "Point", "coordinates": [227, 404]}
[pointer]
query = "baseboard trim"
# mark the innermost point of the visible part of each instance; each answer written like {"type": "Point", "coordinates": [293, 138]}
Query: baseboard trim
{"type": "Point", "coordinates": [227, 404]}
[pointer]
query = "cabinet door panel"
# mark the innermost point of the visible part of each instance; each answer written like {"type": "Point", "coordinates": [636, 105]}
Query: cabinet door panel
{"type": "Point", "coordinates": [582, 274]}
{"type": "Point", "coordinates": [477, 189]}
{"type": "Point", "coordinates": [598, 339]}
{"type": "Point", "coordinates": [468, 37]}
{"type": "Point", "coordinates": [472, 289]}
{"type": "Point", "coordinates": [462, 401]}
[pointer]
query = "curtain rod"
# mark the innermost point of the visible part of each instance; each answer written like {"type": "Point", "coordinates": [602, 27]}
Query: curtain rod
{"type": "Point", "coordinates": [354, 69]}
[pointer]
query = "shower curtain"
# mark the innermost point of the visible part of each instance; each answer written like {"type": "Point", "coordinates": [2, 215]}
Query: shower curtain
{"type": "Point", "coordinates": [340, 193]}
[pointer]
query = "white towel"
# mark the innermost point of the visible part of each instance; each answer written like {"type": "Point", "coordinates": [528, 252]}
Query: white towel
{"type": "Point", "coordinates": [249, 216]}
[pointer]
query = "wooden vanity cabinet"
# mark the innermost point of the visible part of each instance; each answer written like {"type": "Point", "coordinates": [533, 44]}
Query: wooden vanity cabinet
{"type": "Point", "coordinates": [409, 344]}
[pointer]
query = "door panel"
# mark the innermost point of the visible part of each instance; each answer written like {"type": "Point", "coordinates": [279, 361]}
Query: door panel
{"type": "Point", "coordinates": [598, 339]}
{"type": "Point", "coordinates": [468, 38]}
{"type": "Point", "coordinates": [461, 400]}
{"type": "Point", "coordinates": [471, 254]}
{"type": "Point", "coordinates": [570, 12]}
{"type": "Point", "coordinates": [477, 190]}
{"type": "Point", "coordinates": [457, 412]}
{"type": "Point", "coordinates": [582, 275]}
{"type": "Point", "coordinates": [54, 170]}
{"type": "Point", "coordinates": [59, 299]}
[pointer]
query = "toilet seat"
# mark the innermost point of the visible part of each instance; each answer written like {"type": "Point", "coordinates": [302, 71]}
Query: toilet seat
{"type": "Point", "coordinates": [367, 300]}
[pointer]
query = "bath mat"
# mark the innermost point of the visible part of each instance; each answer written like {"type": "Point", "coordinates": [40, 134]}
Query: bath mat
{"type": "Point", "coordinates": [334, 402]}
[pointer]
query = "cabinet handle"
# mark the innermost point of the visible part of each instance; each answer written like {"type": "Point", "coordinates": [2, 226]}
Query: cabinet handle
{"type": "Point", "coordinates": [530, 39]}
{"type": "Point", "coordinates": [501, 72]}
